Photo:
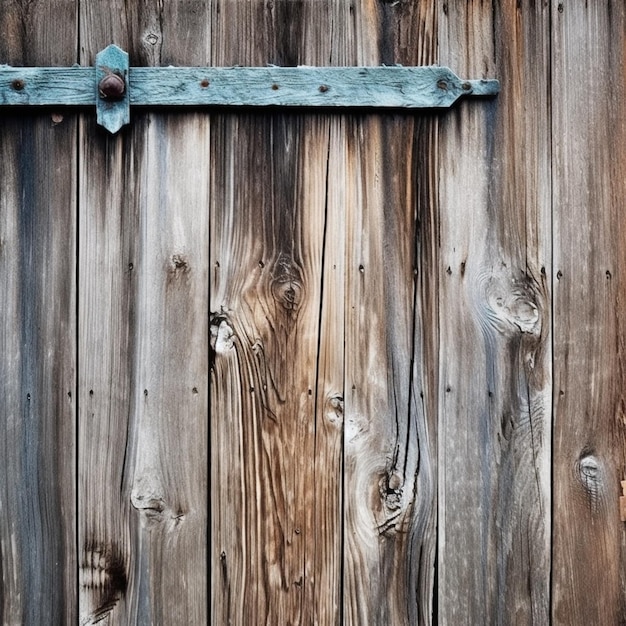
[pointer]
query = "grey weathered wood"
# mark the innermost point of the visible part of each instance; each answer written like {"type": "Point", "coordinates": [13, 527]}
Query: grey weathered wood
{"type": "Point", "coordinates": [589, 567]}
{"type": "Point", "coordinates": [268, 225]}
{"type": "Point", "coordinates": [144, 342]}
{"type": "Point", "coordinates": [379, 292]}
{"type": "Point", "coordinates": [108, 284]}
{"type": "Point", "coordinates": [495, 349]}
{"type": "Point", "coordinates": [390, 386]}
{"type": "Point", "coordinates": [37, 336]}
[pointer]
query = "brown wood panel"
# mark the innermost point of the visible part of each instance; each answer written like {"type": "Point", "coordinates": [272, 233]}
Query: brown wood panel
{"type": "Point", "coordinates": [314, 351]}
{"type": "Point", "coordinates": [143, 336]}
{"type": "Point", "coordinates": [495, 386]}
{"type": "Point", "coordinates": [389, 461]}
{"type": "Point", "coordinates": [281, 200]}
{"type": "Point", "coordinates": [277, 383]}
{"type": "Point", "coordinates": [589, 96]}
{"type": "Point", "coordinates": [267, 234]}
{"type": "Point", "coordinates": [37, 341]}
{"type": "Point", "coordinates": [390, 338]}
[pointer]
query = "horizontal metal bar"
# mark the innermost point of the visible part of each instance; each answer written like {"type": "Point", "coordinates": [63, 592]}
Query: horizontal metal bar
{"type": "Point", "coordinates": [112, 87]}
{"type": "Point", "coordinates": [386, 87]}
{"type": "Point", "coordinates": [47, 86]}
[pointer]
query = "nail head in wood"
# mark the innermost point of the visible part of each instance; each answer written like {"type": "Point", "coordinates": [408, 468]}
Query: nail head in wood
{"type": "Point", "coordinates": [112, 87]}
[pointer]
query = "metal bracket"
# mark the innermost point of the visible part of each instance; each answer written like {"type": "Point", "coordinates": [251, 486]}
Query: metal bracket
{"type": "Point", "coordinates": [112, 87]}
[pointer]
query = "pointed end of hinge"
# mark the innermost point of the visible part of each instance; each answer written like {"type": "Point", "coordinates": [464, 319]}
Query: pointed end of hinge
{"type": "Point", "coordinates": [482, 87]}
{"type": "Point", "coordinates": [112, 123]}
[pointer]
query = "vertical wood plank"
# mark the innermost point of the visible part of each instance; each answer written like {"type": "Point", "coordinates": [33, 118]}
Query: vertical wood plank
{"type": "Point", "coordinates": [589, 95]}
{"type": "Point", "coordinates": [268, 226]}
{"type": "Point", "coordinates": [276, 382]}
{"type": "Point", "coordinates": [108, 250]}
{"type": "Point", "coordinates": [390, 359]}
{"type": "Point", "coordinates": [495, 386]}
{"type": "Point", "coordinates": [325, 592]}
{"type": "Point", "coordinates": [37, 341]}
{"type": "Point", "coordinates": [143, 429]}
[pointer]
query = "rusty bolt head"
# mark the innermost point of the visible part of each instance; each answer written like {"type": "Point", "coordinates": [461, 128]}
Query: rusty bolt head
{"type": "Point", "coordinates": [112, 87]}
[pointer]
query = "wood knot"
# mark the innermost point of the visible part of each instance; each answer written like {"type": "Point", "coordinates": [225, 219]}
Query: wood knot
{"type": "Point", "coordinates": [513, 305]}
{"type": "Point", "coordinates": [152, 506]}
{"type": "Point", "coordinates": [146, 496]}
{"type": "Point", "coordinates": [334, 410]}
{"type": "Point", "coordinates": [390, 487]}
{"type": "Point", "coordinates": [179, 264]}
{"type": "Point", "coordinates": [222, 334]}
{"type": "Point", "coordinates": [590, 474]}
{"type": "Point", "coordinates": [288, 293]}
{"type": "Point", "coordinates": [286, 286]}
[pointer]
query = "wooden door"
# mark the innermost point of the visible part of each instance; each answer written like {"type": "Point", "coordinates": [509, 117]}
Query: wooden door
{"type": "Point", "coordinates": [317, 368]}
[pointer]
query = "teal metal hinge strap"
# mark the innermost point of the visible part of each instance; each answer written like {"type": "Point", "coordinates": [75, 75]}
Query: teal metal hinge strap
{"type": "Point", "coordinates": [112, 87]}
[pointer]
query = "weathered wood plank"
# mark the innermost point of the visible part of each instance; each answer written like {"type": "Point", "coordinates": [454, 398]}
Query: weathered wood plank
{"type": "Point", "coordinates": [495, 385]}
{"type": "Point", "coordinates": [390, 443]}
{"type": "Point", "coordinates": [276, 435]}
{"type": "Point", "coordinates": [325, 586]}
{"type": "Point", "coordinates": [268, 226]}
{"type": "Point", "coordinates": [144, 339]}
{"type": "Point", "coordinates": [589, 42]}
{"type": "Point", "coordinates": [37, 341]}
{"type": "Point", "coordinates": [108, 284]}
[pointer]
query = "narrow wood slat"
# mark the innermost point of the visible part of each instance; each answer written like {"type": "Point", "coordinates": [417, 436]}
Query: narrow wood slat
{"type": "Point", "coordinates": [277, 382]}
{"type": "Point", "coordinates": [143, 427]}
{"type": "Point", "coordinates": [37, 340]}
{"type": "Point", "coordinates": [390, 443]}
{"type": "Point", "coordinates": [325, 588]}
{"type": "Point", "coordinates": [495, 385]}
{"type": "Point", "coordinates": [589, 574]}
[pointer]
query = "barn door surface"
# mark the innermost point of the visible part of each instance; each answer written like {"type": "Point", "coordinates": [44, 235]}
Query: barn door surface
{"type": "Point", "coordinates": [317, 368]}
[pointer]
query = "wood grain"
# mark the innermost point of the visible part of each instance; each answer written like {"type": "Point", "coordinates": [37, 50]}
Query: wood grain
{"type": "Point", "coordinates": [495, 386]}
{"type": "Point", "coordinates": [340, 196]}
{"type": "Point", "coordinates": [143, 429]}
{"type": "Point", "coordinates": [589, 257]}
{"type": "Point", "coordinates": [390, 443]}
{"type": "Point", "coordinates": [267, 234]}
{"type": "Point", "coordinates": [277, 385]}
{"type": "Point", "coordinates": [317, 368]}
{"type": "Point", "coordinates": [37, 341]}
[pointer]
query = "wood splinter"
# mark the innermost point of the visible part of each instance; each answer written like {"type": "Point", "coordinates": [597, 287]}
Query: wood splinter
{"type": "Point", "coordinates": [622, 502]}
